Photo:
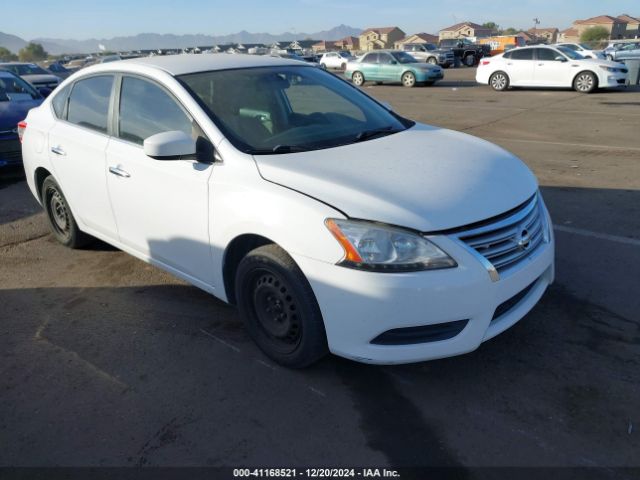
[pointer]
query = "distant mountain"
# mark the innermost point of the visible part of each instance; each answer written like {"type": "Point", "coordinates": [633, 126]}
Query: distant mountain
{"type": "Point", "coordinates": [11, 42]}
{"type": "Point", "coordinates": [149, 41]}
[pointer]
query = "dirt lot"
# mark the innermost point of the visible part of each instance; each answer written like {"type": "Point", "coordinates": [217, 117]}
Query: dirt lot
{"type": "Point", "coordinates": [108, 361]}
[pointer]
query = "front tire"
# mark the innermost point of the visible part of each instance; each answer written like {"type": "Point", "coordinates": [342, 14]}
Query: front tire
{"type": "Point", "coordinates": [499, 81]}
{"type": "Point", "coordinates": [610, 58]}
{"type": "Point", "coordinates": [61, 221]}
{"type": "Point", "coordinates": [470, 60]}
{"type": "Point", "coordinates": [432, 61]}
{"type": "Point", "coordinates": [585, 82]}
{"type": "Point", "coordinates": [357, 78]}
{"type": "Point", "coordinates": [279, 308]}
{"type": "Point", "coordinates": [409, 79]}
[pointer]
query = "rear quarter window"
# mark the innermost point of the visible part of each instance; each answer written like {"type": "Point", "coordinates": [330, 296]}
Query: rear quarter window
{"type": "Point", "coordinates": [59, 102]}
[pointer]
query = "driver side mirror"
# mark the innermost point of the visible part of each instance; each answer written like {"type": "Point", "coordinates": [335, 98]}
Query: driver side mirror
{"type": "Point", "coordinates": [169, 145]}
{"type": "Point", "coordinates": [560, 58]}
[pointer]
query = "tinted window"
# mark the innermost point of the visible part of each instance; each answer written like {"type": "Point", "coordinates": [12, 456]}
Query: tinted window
{"type": "Point", "coordinates": [146, 109]}
{"type": "Point", "coordinates": [13, 88]}
{"type": "Point", "coordinates": [59, 101]}
{"type": "Point", "coordinates": [546, 54]}
{"type": "Point", "coordinates": [89, 102]}
{"type": "Point", "coordinates": [386, 59]}
{"type": "Point", "coordinates": [370, 58]}
{"type": "Point", "coordinates": [507, 55]}
{"type": "Point", "coordinates": [524, 54]}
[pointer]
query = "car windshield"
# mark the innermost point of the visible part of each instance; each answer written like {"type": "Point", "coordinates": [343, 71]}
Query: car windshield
{"type": "Point", "coordinates": [403, 57]}
{"type": "Point", "coordinates": [267, 110]}
{"type": "Point", "coordinates": [585, 46]}
{"type": "Point", "coordinates": [570, 53]}
{"type": "Point", "coordinates": [13, 88]}
{"type": "Point", "coordinates": [429, 46]}
{"type": "Point", "coordinates": [27, 69]}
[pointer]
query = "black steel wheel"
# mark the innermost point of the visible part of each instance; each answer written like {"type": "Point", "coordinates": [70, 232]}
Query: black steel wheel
{"type": "Point", "coordinates": [279, 308]}
{"type": "Point", "coordinates": [63, 224]}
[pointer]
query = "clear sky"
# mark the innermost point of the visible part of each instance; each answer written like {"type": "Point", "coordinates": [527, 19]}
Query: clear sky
{"type": "Point", "coordinates": [82, 19]}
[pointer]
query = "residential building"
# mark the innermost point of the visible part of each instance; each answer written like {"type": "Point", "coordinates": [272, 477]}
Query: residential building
{"type": "Point", "coordinates": [528, 39]}
{"type": "Point", "coordinates": [417, 38]}
{"type": "Point", "coordinates": [546, 35]}
{"type": "Point", "coordinates": [633, 25]}
{"type": "Point", "coordinates": [323, 46]}
{"type": "Point", "coordinates": [350, 44]}
{"type": "Point", "coordinates": [379, 38]}
{"type": "Point", "coordinates": [465, 29]}
{"type": "Point", "coordinates": [617, 28]}
{"type": "Point", "coordinates": [570, 35]}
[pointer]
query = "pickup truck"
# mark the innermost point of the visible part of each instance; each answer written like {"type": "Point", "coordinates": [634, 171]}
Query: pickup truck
{"type": "Point", "coordinates": [429, 53]}
{"type": "Point", "coordinates": [466, 51]}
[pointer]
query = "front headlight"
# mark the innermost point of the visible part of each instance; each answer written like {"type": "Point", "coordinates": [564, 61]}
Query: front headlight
{"type": "Point", "coordinates": [382, 248]}
{"type": "Point", "coordinates": [608, 69]}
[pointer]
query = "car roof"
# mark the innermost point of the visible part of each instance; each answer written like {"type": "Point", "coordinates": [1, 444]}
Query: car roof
{"type": "Point", "coordinates": [16, 63]}
{"type": "Point", "coordinates": [193, 63]}
{"type": "Point", "coordinates": [6, 73]}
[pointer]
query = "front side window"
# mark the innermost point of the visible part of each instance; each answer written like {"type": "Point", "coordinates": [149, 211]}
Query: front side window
{"type": "Point", "coordinates": [89, 102]}
{"type": "Point", "coordinates": [546, 54]}
{"type": "Point", "coordinates": [283, 109]}
{"type": "Point", "coordinates": [146, 109]}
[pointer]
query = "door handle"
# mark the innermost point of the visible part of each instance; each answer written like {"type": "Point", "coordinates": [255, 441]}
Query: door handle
{"type": "Point", "coordinates": [119, 172]}
{"type": "Point", "coordinates": [58, 151]}
{"type": "Point", "coordinates": [541, 64]}
{"type": "Point", "coordinates": [509, 63]}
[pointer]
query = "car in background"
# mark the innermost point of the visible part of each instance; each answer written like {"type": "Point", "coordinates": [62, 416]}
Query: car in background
{"type": "Point", "coordinates": [549, 66]}
{"type": "Point", "coordinates": [57, 69]}
{"type": "Point", "coordinates": [109, 58]}
{"type": "Point", "coordinates": [17, 97]}
{"type": "Point", "coordinates": [429, 53]}
{"type": "Point", "coordinates": [336, 60]}
{"type": "Point", "coordinates": [332, 222]}
{"type": "Point", "coordinates": [392, 66]}
{"type": "Point", "coordinates": [583, 49]}
{"type": "Point", "coordinates": [628, 51]}
{"type": "Point", "coordinates": [465, 51]}
{"type": "Point", "coordinates": [32, 73]}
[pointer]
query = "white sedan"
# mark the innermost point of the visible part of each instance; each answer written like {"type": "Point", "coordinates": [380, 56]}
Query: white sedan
{"type": "Point", "coordinates": [336, 60]}
{"type": "Point", "coordinates": [548, 66]}
{"type": "Point", "coordinates": [333, 223]}
{"type": "Point", "coordinates": [583, 50]}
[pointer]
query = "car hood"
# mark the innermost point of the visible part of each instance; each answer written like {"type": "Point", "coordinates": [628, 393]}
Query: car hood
{"type": "Point", "coordinates": [41, 78]}
{"type": "Point", "coordinates": [424, 178]}
{"type": "Point", "coordinates": [604, 63]}
{"type": "Point", "coordinates": [13, 112]}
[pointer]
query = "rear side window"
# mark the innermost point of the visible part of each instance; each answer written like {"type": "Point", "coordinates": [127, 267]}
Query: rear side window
{"type": "Point", "coordinates": [89, 103]}
{"type": "Point", "coordinates": [525, 54]}
{"type": "Point", "coordinates": [371, 58]}
{"type": "Point", "coordinates": [59, 102]}
{"type": "Point", "coordinates": [146, 109]}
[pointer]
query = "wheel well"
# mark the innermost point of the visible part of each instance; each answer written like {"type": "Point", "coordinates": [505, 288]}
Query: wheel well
{"type": "Point", "coordinates": [234, 253]}
{"type": "Point", "coordinates": [39, 177]}
{"type": "Point", "coordinates": [595, 75]}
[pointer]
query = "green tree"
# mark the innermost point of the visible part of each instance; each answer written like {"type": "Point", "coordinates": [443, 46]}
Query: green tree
{"type": "Point", "coordinates": [491, 25]}
{"type": "Point", "coordinates": [33, 52]}
{"type": "Point", "coordinates": [594, 34]}
{"type": "Point", "coordinates": [7, 56]}
{"type": "Point", "coordinates": [510, 31]}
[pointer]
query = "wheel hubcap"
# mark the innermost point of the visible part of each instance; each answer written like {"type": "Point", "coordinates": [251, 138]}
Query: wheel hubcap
{"type": "Point", "coordinates": [585, 83]}
{"type": "Point", "coordinates": [357, 78]}
{"type": "Point", "coordinates": [408, 80]}
{"type": "Point", "coordinates": [59, 212]}
{"type": "Point", "coordinates": [498, 82]}
{"type": "Point", "coordinates": [276, 310]}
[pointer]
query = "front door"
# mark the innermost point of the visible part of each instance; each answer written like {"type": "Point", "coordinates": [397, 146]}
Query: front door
{"type": "Point", "coordinates": [549, 71]}
{"type": "Point", "coordinates": [161, 206]}
{"type": "Point", "coordinates": [77, 149]}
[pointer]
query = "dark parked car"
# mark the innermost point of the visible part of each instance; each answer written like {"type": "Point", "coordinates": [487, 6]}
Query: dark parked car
{"type": "Point", "coordinates": [466, 51]}
{"type": "Point", "coordinates": [59, 70]}
{"type": "Point", "coordinates": [17, 97]}
{"type": "Point", "coordinates": [32, 73]}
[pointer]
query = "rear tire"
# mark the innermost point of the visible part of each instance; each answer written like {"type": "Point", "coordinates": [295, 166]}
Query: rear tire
{"type": "Point", "coordinates": [357, 78]}
{"type": "Point", "coordinates": [61, 221]}
{"type": "Point", "coordinates": [610, 58]}
{"type": "Point", "coordinates": [432, 61]}
{"type": "Point", "coordinates": [408, 79]}
{"type": "Point", "coordinates": [585, 82]}
{"type": "Point", "coordinates": [499, 81]}
{"type": "Point", "coordinates": [470, 60]}
{"type": "Point", "coordinates": [279, 308]}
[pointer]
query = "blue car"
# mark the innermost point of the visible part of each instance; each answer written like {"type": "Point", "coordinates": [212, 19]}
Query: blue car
{"type": "Point", "coordinates": [17, 97]}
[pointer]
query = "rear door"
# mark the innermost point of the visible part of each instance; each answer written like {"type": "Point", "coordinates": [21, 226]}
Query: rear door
{"type": "Point", "coordinates": [520, 67]}
{"type": "Point", "coordinates": [77, 145]}
{"type": "Point", "coordinates": [550, 72]}
{"type": "Point", "coordinates": [161, 206]}
{"type": "Point", "coordinates": [369, 67]}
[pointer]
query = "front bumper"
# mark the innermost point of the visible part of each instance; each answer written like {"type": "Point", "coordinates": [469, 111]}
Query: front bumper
{"type": "Point", "coordinates": [611, 79]}
{"type": "Point", "coordinates": [359, 306]}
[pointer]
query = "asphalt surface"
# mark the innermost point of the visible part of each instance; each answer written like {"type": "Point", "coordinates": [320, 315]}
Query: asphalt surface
{"type": "Point", "coordinates": [106, 361]}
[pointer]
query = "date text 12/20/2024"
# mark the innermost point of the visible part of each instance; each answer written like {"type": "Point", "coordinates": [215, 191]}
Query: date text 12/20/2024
{"type": "Point", "coordinates": [315, 473]}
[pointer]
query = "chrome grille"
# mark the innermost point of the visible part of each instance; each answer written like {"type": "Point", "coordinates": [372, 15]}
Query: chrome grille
{"type": "Point", "coordinates": [508, 240]}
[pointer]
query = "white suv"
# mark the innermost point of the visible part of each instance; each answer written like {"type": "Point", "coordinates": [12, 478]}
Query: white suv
{"type": "Point", "coordinates": [336, 60]}
{"type": "Point", "coordinates": [333, 223]}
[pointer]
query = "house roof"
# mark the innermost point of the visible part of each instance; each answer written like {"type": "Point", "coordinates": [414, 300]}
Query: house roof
{"type": "Point", "coordinates": [525, 35]}
{"type": "Point", "coordinates": [628, 18]}
{"type": "Point", "coordinates": [349, 40]}
{"type": "Point", "coordinates": [601, 19]}
{"type": "Point", "coordinates": [381, 30]}
{"type": "Point", "coordinates": [458, 26]}
{"type": "Point", "coordinates": [427, 37]}
{"type": "Point", "coordinates": [570, 32]}
{"type": "Point", "coordinates": [546, 29]}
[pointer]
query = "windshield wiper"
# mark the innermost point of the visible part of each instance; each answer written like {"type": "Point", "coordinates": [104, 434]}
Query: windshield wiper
{"type": "Point", "coordinates": [280, 149]}
{"type": "Point", "coordinates": [367, 134]}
